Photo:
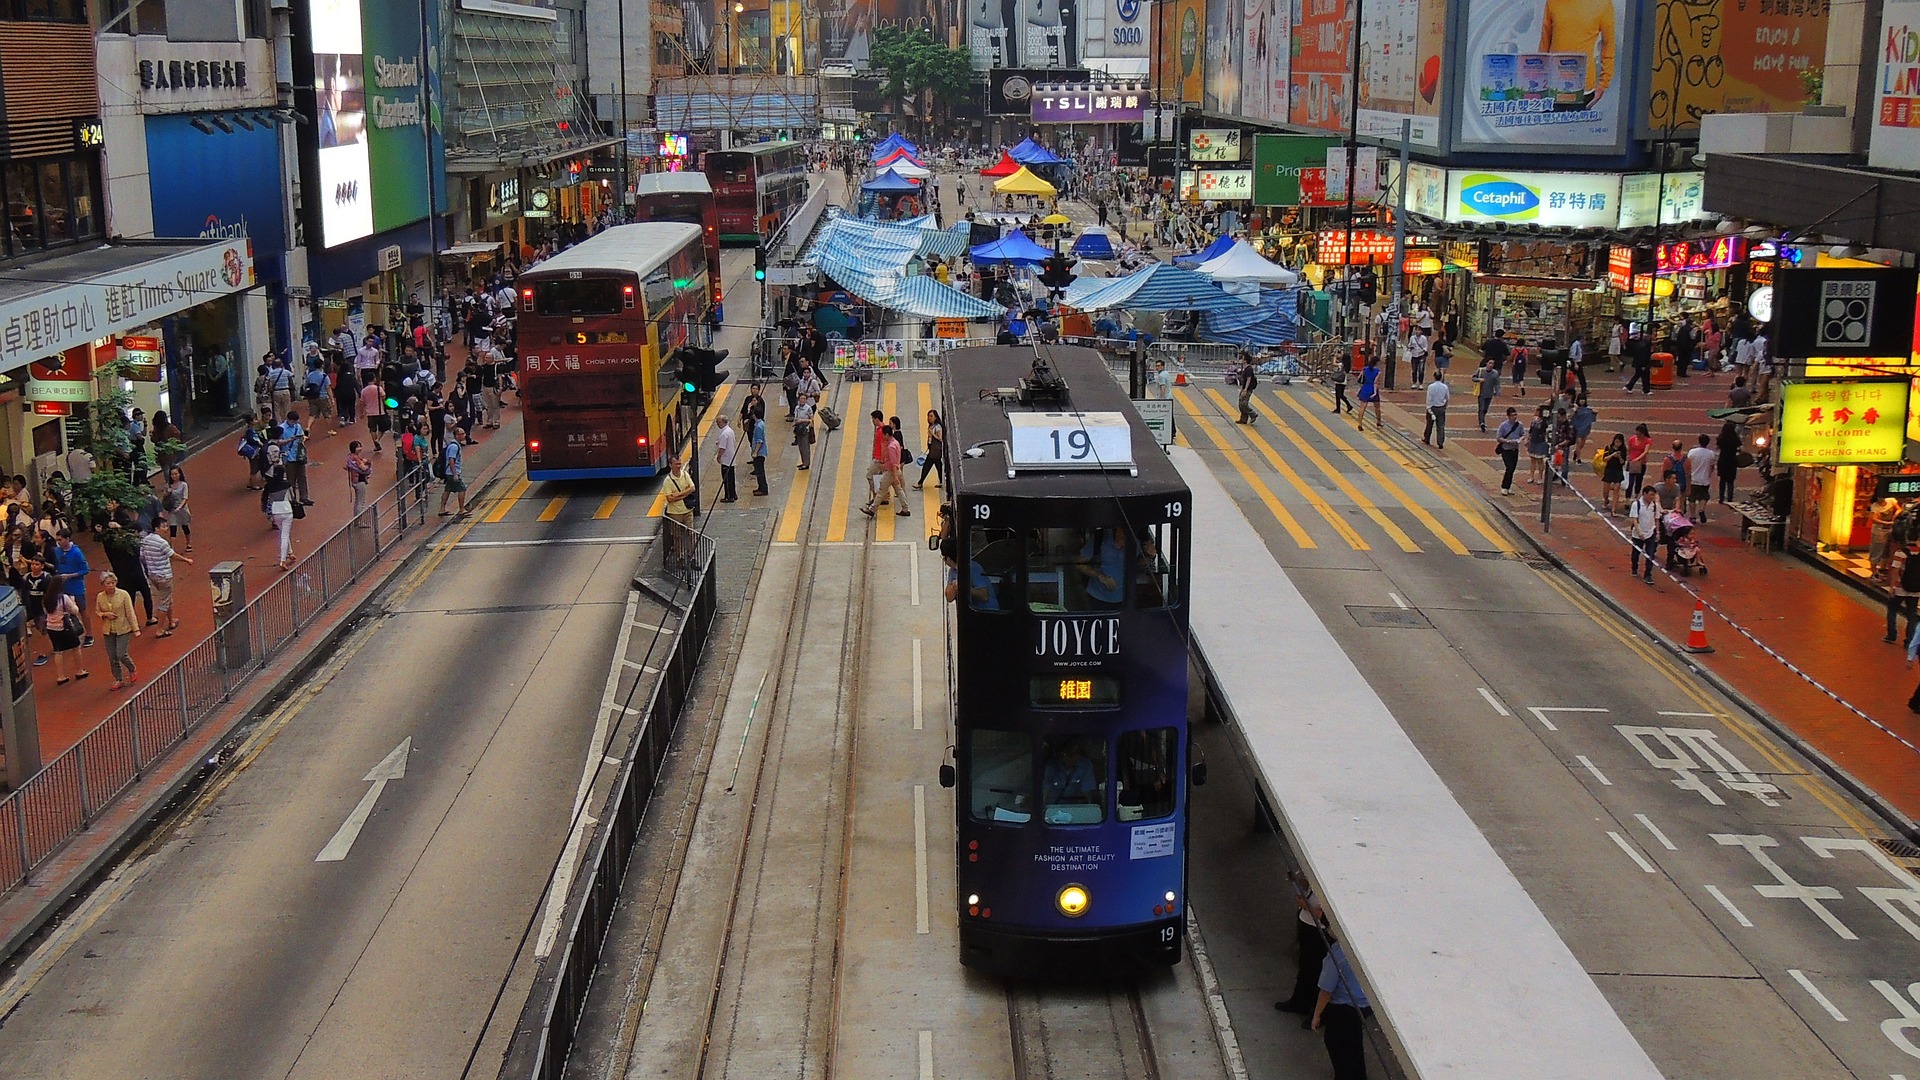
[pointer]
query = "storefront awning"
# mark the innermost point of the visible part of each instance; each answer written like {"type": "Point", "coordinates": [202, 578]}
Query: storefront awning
{"type": "Point", "coordinates": [51, 306]}
{"type": "Point", "coordinates": [469, 250]}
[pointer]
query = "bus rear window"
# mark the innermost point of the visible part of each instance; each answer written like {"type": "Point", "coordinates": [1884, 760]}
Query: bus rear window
{"type": "Point", "coordinates": [577, 390]}
{"type": "Point", "coordinates": [579, 296]}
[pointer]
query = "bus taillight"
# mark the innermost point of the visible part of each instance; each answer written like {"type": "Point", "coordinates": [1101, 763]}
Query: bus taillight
{"type": "Point", "coordinates": [526, 299]}
{"type": "Point", "coordinates": [627, 294]}
{"type": "Point", "coordinates": [533, 450]}
{"type": "Point", "coordinates": [641, 442]}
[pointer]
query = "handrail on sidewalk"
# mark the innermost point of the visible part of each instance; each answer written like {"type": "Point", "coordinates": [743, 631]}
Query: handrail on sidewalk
{"type": "Point", "coordinates": [69, 793]}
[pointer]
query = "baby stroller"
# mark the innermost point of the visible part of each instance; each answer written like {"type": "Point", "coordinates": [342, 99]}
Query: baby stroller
{"type": "Point", "coordinates": [1683, 551]}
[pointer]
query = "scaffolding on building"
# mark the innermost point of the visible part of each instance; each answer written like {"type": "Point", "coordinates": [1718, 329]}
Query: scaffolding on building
{"type": "Point", "coordinates": [513, 102]}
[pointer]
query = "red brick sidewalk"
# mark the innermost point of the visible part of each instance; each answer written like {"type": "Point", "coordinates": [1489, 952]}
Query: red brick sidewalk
{"type": "Point", "coordinates": [227, 526]}
{"type": "Point", "coordinates": [1826, 628]}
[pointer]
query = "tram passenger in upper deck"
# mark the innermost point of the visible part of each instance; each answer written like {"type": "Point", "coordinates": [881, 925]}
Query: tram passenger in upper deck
{"type": "Point", "coordinates": [1103, 562]}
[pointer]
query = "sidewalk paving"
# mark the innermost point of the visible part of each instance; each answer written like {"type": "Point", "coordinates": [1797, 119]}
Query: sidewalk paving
{"type": "Point", "coordinates": [1826, 628]}
{"type": "Point", "coordinates": [228, 526]}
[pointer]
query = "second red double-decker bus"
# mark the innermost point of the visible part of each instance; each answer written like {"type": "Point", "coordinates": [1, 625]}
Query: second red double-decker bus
{"type": "Point", "coordinates": [757, 188]}
{"type": "Point", "coordinates": [683, 196]}
{"type": "Point", "coordinates": [598, 326]}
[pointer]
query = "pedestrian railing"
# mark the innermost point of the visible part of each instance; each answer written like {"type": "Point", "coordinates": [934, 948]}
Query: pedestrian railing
{"type": "Point", "coordinates": [545, 1033]}
{"type": "Point", "coordinates": [72, 790]}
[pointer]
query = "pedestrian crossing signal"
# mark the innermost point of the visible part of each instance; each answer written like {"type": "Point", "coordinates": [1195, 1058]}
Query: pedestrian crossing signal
{"type": "Point", "coordinates": [760, 263]}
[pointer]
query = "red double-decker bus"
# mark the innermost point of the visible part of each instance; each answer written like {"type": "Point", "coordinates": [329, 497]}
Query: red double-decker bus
{"type": "Point", "coordinates": [598, 326]}
{"type": "Point", "coordinates": [757, 188]}
{"type": "Point", "coordinates": [683, 196]}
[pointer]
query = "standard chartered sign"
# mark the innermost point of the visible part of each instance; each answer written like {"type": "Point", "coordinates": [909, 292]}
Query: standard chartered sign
{"type": "Point", "coordinates": [1558, 200]}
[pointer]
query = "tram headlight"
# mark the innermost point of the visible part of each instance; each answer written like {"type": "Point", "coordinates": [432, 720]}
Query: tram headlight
{"type": "Point", "coordinates": [1169, 898]}
{"type": "Point", "coordinates": [1073, 901]}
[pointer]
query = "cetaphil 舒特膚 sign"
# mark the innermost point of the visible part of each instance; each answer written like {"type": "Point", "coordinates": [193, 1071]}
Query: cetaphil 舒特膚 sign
{"type": "Point", "coordinates": [1557, 200]}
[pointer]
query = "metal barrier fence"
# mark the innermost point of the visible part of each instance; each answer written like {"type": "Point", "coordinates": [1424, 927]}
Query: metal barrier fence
{"type": "Point", "coordinates": [69, 793]}
{"type": "Point", "coordinates": [544, 1035]}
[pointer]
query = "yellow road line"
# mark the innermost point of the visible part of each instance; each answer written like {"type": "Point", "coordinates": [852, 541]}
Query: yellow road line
{"type": "Point", "coordinates": [852, 430]}
{"type": "Point", "coordinates": [1424, 515]}
{"type": "Point", "coordinates": [1443, 483]}
{"type": "Point", "coordinates": [795, 508]}
{"type": "Point", "coordinates": [554, 506]}
{"type": "Point", "coordinates": [1314, 498]}
{"type": "Point", "coordinates": [1274, 505]}
{"type": "Point", "coordinates": [659, 506]}
{"type": "Point", "coordinates": [606, 508]}
{"type": "Point", "coordinates": [1394, 531]}
{"type": "Point", "coordinates": [507, 502]}
{"type": "Point", "coordinates": [890, 404]}
{"type": "Point", "coordinates": [1745, 729]}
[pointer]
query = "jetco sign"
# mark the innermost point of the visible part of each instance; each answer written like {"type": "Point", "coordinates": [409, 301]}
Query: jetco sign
{"type": "Point", "coordinates": [1555, 200]}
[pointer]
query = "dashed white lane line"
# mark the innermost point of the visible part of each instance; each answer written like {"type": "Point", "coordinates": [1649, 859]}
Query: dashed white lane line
{"type": "Point", "coordinates": [1647, 824]}
{"type": "Point", "coordinates": [919, 858]}
{"type": "Point", "coordinates": [926, 1055]}
{"type": "Point", "coordinates": [1738, 915]}
{"type": "Point", "coordinates": [1632, 852]}
{"type": "Point", "coordinates": [913, 574]}
{"type": "Point", "coordinates": [1698, 715]}
{"type": "Point", "coordinates": [1814, 993]}
{"type": "Point", "coordinates": [1594, 769]}
{"type": "Point", "coordinates": [1540, 713]}
{"type": "Point", "coordinates": [919, 694]}
{"type": "Point", "coordinates": [1493, 701]}
{"type": "Point", "coordinates": [1397, 602]}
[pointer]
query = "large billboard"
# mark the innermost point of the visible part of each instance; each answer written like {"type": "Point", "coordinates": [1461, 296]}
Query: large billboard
{"type": "Point", "coordinates": [1401, 42]}
{"type": "Point", "coordinates": [1278, 162]}
{"type": "Point", "coordinates": [1543, 76]}
{"type": "Point", "coordinates": [1322, 57]}
{"type": "Point", "coordinates": [370, 129]}
{"type": "Point", "coordinates": [1179, 53]}
{"type": "Point", "coordinates": [1265, 59]}
{"type": "Point", "coordinates": [1224, 45]}
{"type": "Point", "coordinates": [218, 185]}
{"type": "Point", "coordinates": [1117, 36]}
{"type": "Point", "coordinates": [1895, 139]}
{"type": "Point", "coordinates": [1715, 56]}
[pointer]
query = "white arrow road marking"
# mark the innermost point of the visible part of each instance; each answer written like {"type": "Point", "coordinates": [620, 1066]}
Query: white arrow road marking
{"type": "Point", "coordinates": [391, 767]}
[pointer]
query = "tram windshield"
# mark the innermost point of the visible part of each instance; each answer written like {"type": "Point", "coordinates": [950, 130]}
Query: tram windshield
{"type": "Point", "coordinates": [1001, 768]}
{"type": "Point", "coordinates": [1074, 784]}
{"type": "Point", "coordinates": [1146, 773]}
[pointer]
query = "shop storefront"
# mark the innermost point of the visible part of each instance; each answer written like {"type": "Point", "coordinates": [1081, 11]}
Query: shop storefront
{"type": "Point", "coordinates": [59, 342]}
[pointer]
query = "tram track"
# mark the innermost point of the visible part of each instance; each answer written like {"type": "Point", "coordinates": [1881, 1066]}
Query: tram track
{"type": "Point", "coordinates": [772, 1002]}
{"type": "Point", "coordinates": [1069, 1032]}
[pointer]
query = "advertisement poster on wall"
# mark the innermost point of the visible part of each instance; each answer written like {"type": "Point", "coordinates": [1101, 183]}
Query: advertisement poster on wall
{"type": "Point", "coordinates": [1264, 66]}
{"type": "Point", "coordinates": [1400, 68]}
{"type": "Point", "coordinates": [1115, 36]}
{"type": "Point", "coordinates": [1712, 56]}
{"type": "Point", "coordinates": [1895, 140]}
{"type": "Point", "coordinates": [1278, 163]}
{"type": "Point", "coordinates": [1224, 46]}
{"type": "Point", "coordinates": [371, 132]}
{"type": "Point", "coordinates": [1543, 76]}
{"type": "Point", "coordinates": [1322, 56]}
{"type": "Point", "coordinates": [1181, 60]}
{"type": "Point", "coordinates": [217, 186]}
{"type": "Point", "coordinates": [1857, 423]}
{"type": "Point", "coordinates": [1558, 200]}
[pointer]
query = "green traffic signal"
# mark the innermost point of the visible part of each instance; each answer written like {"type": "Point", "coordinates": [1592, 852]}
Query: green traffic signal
{"type": "Point", "coordinates": [392, 404]}
{"type": "Point", "coordinates": [759, 273]}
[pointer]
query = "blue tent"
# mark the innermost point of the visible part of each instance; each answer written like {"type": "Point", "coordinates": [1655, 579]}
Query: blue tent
{"type": "Point", "coordinates": [1220, 246]}
{"type": "Point", "coordinates": [1032, 153]}
{"type": "Point", "coordinates": [1160, 287]}
{"type": "Point", "coordinates": [1095, 243]}
{"type": "Point", "coordinates": [890, 182]}
{"type": "Point", "coordinates": [1014, 247]}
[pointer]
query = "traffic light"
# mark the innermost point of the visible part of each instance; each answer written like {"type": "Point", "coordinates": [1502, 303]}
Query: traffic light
{"type": "Point", "coordinates": [760, 262]}
{"type": "Point", "coordinates": [1057, 271]}
{"type": "Point", "coordinates": [681, 370]}
{"type": "Point", "coordinates": [700, 371]}
{"type": "Point", "coordinates": [1369, 286]}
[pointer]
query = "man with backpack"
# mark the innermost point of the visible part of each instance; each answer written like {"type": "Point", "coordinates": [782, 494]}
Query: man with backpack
{"type": "Point", "coordinates": [1249, 380]}
{"type": "Point", "coordinates": [280, 387]}
{"type": "Point", "coordinates": [452, 460]}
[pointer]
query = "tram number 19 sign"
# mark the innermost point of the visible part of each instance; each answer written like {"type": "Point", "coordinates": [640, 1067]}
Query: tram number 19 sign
{"type": "Point", "coordinates": [1093, 440]}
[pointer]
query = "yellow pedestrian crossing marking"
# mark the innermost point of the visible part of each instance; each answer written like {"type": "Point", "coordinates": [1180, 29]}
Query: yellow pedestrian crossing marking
{"type": "Point", "coordinates": [1443, 486]}
{"type": "Point", "coordinates": [1314, 498]}
{"type": "Point", "coordinates": [606, 508]}
{"type": "Point", "coordinates": [554, 506]}
{"type": "Point", "coordinates": [852, 433]}
{"type": "Point", "coordinates": [507, 502]}
{"type": "Point", "coordinates": [1274, 506]}
{"type": "Point", "coordinates": [795, 509]}
{"type": "Point", "coordinates": [1386, 483]}
{"type": "Point", "coordinates": [1340, 481]}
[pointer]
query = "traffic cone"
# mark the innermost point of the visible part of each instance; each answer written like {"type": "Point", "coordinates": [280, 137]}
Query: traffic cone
{"type": "Point", "coordinates": [1180, 378]}
{"type": "Point", "coordinates": [1697, 633]}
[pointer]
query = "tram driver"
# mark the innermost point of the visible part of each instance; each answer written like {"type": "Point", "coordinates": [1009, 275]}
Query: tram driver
{"type": "Point", "coordinates": [1070, 776]}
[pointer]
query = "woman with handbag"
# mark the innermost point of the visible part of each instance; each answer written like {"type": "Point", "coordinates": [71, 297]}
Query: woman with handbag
{"type": "Point", "coordinates": [936, 450]}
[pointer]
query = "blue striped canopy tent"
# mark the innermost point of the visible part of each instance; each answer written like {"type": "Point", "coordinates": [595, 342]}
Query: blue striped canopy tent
{"type": "Point", "coordinates": [871, 259]}
{"type": "Point", "coordinates": [1273, 321]}
{"type": "Point", "coordinates": [1014, 247]}
{"type": "Point", "coordinates": [946, 243]}
{"type": "Point", "coordinates": [924, 221]}
{"type": "Point", "coordinates": [1160, 287]}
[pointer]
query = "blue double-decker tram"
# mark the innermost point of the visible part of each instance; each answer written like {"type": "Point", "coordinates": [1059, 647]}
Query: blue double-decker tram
{"type": "Point", "coordinates": [1070, 668]}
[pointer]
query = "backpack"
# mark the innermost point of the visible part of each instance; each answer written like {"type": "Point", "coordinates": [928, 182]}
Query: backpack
{"type": "Point", "coordinates": [410, 447]}
{"type": "Point", "coordinates": [1248, 379]}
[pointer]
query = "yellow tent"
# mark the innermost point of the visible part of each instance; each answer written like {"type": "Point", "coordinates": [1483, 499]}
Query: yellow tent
{"type": "Point", "coordinates": [1023, 183]}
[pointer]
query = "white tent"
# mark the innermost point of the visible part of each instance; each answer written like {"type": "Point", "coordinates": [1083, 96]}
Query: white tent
{"type": "Point", "coordinates": [1241, 263]}
{"type": "Point", "coordinates": [908, 168]}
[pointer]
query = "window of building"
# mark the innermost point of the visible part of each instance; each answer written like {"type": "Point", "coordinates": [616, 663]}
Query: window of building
{"type": "Point", "coordinates": [131, 16]}
{"type": "Point", "coordinates": [1073, 785]}
{"type": "Point", "coordinates": [1000, 771]}
{"type": "Point", "coordinates": [60, 11]}
{"type": "Point", "coordinates": [23, 208]}
{"type": "Point", "coordinates": [1147, 761]}
{"type": "Point", "coordinates": [56, 204]}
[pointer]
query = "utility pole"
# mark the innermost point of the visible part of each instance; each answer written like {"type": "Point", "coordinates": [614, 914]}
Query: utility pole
{"type": "Point", "coordinates": [1400, 218]}
{"type": "Point", "coordinates": [1349, 295]}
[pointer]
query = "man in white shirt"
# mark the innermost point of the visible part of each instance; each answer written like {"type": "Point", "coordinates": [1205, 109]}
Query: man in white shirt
{"type": "Point", "coordinates": [1160, 384]}
{"type": "Point", "coordinates": [1762, 366]}
{"type": "Point", "coordinates": [1643, 528]}
{"type": "Point", "coordinates": [1701, 461]}
{"type": "Point", "coordinates": [1437, 397]}
{"type": "Point", "coordinates": [726, 451]}
{"type": "Point", "coordinates": [1419, 346]}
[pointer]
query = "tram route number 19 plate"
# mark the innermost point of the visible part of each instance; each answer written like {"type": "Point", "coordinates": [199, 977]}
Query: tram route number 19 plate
{"type": "Point", "coordinates": [1071, 440]}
